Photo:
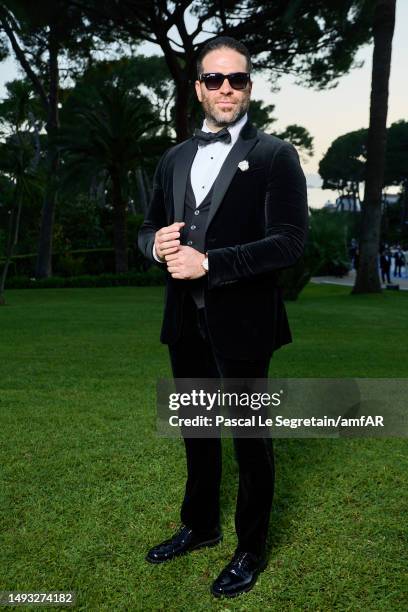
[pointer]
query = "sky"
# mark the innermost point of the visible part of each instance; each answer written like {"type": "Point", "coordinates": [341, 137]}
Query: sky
{"type": "Point", "coordinates": [326, 114]}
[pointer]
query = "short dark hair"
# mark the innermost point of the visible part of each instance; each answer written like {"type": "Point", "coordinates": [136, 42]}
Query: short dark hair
{"type": "Point", "coordinates": [221, 42]}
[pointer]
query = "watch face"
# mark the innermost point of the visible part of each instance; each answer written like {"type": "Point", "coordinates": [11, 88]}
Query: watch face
{"type": "Point", "coordinates": [205, 264]}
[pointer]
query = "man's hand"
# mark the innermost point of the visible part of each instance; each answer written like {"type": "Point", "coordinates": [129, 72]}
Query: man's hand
{"type": "Point", "coordinates": [167, 240]}
{"type": "Point", "coordinates": [186, 263]}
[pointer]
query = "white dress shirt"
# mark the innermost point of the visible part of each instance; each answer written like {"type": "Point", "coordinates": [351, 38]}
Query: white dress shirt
{"type": "Point", "coordinates": [208, 161]}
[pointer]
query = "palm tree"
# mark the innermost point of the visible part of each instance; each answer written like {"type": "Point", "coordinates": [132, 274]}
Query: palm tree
{"type": "Point", "coordinates": [108, 133]}
{"type": "Point", "coordinates": [18, 162]}
{"type": "Point", "coordinates": [19, 158]}
{"type": "Point", "coordinates": [367, 280]}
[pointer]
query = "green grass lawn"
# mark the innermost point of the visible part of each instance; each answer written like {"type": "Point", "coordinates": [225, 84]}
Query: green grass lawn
{"type": "Point", "coordinates": [87, 486]}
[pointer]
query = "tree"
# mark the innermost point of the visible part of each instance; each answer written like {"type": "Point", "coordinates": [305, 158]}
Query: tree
{"type": "Point", "coordinates": [298, 136]}
{"type": "Point", "coordinates": [21, 108]}
{"type": "Point", "coordinates": [17, 161]}
{"type": "Point", "coordinates": [367, 279]}
{"type": "Point", "coordinates": [39, 35]}
{"type": "Point", "coordinates": [396, 173]}
{"type": "Point", "coordinates": [107, 124]}
{"type": "Point", "coordinates": [261, 115]}
{"type": "Point", "coordinates": [314, 40]}
{"type": "Point", "coordinates": [326, 250]}
{"type": "Point", "coordinates": [396, 162]}
{"type": "Point", "coordinates": [343, 165]}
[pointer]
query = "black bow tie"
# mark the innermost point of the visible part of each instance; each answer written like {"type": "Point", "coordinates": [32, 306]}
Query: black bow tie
{"type": "Point", "coordinates": [205, 138]}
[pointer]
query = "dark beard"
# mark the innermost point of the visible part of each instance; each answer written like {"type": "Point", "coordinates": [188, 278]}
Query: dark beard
{"type": "Point", "coordinates": [221, 124]}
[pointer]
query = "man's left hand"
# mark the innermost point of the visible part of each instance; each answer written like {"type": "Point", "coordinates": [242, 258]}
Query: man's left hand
{"type": "Point", "coordinates": [186, 263]}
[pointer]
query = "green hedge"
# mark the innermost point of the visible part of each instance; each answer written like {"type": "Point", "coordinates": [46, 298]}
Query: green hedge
{"type": "Point", "coordinates": [292, 281]}
{"type": "Point", "coordinates": [77, 262]}
{"type": "Point", "coordinates": [137, 279]}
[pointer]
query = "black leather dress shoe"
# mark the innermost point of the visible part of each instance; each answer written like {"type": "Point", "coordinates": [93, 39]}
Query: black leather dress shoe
{"type": "Point", "coordinates": [239, 576]}
{"type": "Point", "coordinates": [181, 543]}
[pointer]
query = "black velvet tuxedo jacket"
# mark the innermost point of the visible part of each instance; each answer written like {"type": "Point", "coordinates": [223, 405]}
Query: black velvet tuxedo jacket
{"type": "Point", "coordinates": [257, 225]}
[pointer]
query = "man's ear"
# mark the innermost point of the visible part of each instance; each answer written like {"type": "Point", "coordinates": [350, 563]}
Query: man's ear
{"type": "Point", "coordinates": [197, 85]}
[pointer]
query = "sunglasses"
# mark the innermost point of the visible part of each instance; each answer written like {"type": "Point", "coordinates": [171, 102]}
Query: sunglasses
{"type": "Point", "coordinates": [214, 80]}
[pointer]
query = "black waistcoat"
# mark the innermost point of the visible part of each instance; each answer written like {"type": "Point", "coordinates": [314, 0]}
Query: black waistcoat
{"type": "Point", "coordinates": [193, 234]}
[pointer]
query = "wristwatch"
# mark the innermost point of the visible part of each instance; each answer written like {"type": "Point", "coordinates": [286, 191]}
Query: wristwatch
{"type": "Point", "coordinates": [204, 263]}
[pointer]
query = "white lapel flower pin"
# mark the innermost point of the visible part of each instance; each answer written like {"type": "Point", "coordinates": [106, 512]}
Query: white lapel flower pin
{"type": "Point", "coordinates": [243, 165]}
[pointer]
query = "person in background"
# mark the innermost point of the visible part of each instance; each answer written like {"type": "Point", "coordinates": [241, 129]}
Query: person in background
{"type": "Point", "coordinates": [399, 259]}
{"type": "Point", "coordinates": [385, 266]}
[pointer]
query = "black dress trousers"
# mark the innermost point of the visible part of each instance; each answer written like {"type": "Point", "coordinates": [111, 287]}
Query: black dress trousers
{"type": "Point", "coordinates": [193, 357]}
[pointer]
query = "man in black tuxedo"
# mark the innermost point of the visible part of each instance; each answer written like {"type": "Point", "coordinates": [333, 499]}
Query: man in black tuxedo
{"type": "Point", "coordinates": [228, 210]}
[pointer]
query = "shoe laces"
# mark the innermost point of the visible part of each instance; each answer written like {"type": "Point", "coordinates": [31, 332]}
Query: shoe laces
{"type": "Point", "coordinates": [180, 534]}
{"type": "Point", "coordinates": [241, 560]}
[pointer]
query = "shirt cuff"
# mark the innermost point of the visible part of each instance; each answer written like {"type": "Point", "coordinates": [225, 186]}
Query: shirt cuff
{"type": "Point", "coordinates": [157, 258]}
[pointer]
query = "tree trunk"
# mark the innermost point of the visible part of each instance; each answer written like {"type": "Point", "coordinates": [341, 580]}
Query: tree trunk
{"type": "Point", "coordinates": [182, 105]}
{"type": "Point", "coordinates": [119, 224]}
{"type": "Point", "coordinates": [44, 256]}
{"type": "Point", "coordinates": [147, 183]}
{"type": "Point", "coordinates": [141, 190]}
{"type": "Point", "coordinates": [14, 226]}
{"type": "Point", "coordinates": [367, 280]}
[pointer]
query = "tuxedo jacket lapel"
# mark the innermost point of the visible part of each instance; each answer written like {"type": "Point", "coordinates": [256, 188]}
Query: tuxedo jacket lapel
{"type": "Point", "coordinates": [182, 167]}
{"type": "Point", "coordinates": [246, 141]}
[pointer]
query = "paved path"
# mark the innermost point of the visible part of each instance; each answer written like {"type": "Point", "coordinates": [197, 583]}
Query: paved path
{"type": "Point", "coordinates": [348, 280]}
